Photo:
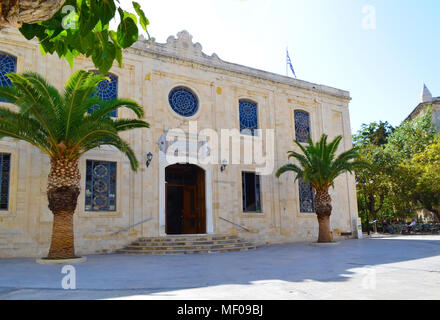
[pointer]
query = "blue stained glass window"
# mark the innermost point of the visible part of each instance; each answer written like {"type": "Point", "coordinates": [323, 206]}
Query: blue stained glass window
{"type": "Point", "coordinates": [183, 101]}
{"type": "Point", "coordinates": [100, 186]}
{"type": "Point", "coordinates": [106, 91]}
{"type": "Point", "coordinates": [7, 64]}
{"type": "Point", "coordinates": [5, 164]}
{"type": "Point", "coordinates": [306, 197]}
{"type": "Point", "coordinates": [248, 117]}
{"type": "Point", "coordinates": [302, 126]}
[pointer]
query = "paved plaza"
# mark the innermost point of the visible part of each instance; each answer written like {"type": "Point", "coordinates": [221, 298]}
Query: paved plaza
{"type": "Point", "coordinates": [394, 267]}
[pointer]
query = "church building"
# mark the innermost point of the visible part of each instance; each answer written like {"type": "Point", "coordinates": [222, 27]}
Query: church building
{"type": "Point", "coordinates": [188, 93]}
{"type": "Point", "coordinates": [427, 101]}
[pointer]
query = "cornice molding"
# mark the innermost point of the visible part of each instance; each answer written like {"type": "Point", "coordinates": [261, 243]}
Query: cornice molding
{"type": "Point", "coordinates": [183, 48]}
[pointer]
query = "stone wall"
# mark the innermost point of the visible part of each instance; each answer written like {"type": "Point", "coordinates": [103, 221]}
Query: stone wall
{"type": "Point", "coordinates": [149, 72]}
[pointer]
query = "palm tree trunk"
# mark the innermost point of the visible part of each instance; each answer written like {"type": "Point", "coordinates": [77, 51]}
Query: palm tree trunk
{"type": "Point", "coordinates": [62, 192]}
{"type": "Point", "coordinates": [323, 204]}
{"type": "Point", "coordinates": [15, 12]}
{"type": "Point", "coordinates": [62, 244]}
{"type": "Point", "coordinates": [324, 230]}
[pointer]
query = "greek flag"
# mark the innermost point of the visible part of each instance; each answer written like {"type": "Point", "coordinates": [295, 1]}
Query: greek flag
{"type": "Point", "coordinates": [289, 63]}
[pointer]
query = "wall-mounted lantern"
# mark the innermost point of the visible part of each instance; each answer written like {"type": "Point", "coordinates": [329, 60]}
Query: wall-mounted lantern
{"type": "Point", "coordinates": [223, 165]}
{"type": "Point", "coordinates": [149, 158]}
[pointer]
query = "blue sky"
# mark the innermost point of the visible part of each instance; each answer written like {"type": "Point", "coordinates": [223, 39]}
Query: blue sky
{"type": "Point", "coordinates": [383, 68]}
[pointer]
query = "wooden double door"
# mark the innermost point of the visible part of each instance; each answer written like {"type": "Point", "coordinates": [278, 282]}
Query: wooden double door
{"type": "Point", "coordinates": [185, 200]}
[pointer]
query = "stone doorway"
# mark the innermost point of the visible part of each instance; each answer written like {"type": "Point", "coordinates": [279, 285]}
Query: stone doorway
{"type": "Point", "coordinates": [185, 211]}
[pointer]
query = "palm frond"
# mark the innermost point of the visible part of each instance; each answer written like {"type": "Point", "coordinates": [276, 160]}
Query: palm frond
{"type": "Point", "coordinates": [290, 167]}
{"type": "Point", "coordinates": [18, 126]}
{"type": "Point", "coordinates": [300, 157]}
{"type": "Point", "coordinates": [58, 124]}
{"type": "Point", "coordinates": [128, 124]}
{"type": "Point", "coordinates": [319, 164]}
{"type": "Point", "coordinates": [78, 90]}
{"type": "Point", "coordinates": [107, 107]}
{"type": "Point", "coordinates": [34, 103]}
{"type": "Point", "coordinates": [115, 141]}
{"type": "Point", "coordinates": [10, 94]}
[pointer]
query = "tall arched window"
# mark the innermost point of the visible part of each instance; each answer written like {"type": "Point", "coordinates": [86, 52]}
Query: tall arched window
{"type": "Point", "coordinates": [107, 90]}
{"type": "Point", "coordinates": [306, 197]}
{"type": "Point", "coordinates": [8, 64]}
{"type": "Point", "coordinates": [248, 117]}
{"type": "Point", "coordinates": [302, 134]}
{"type": "Point", "coordinates": [302, 126]}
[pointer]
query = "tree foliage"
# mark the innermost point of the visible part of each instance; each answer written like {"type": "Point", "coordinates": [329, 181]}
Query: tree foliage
{"type": "Point", "coordinates": [372, 187]}
{"type": "Point", "coordinates": [319, 165]}
{"type": "Point", "coordinates": [82, 27]}
{"type": "Point", "coordinates": [58, 123]}
{"type": "Point", "coordinates": [402, 170]}
{"type": "Point", "coordinates": [424, 175]}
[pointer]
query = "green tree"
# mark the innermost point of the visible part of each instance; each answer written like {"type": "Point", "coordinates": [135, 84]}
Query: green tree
{"type": "Point", "coordinates": [371, 182]}
{"type": "Point", "coordinates": [59, 125]}
{"type": "Point", "coordinates": [387, 189]}
{"type": "Point", "coordinates": [319, 166]}
{"type": "Point", "coordinates": [375, 133]}
{"type": "Point", "coordinates": [411, 137]}
{"type": "Point", "coordinates": [81, 27]}
{"type": "Point", "coordinates": [408, 140]}
{"type": "Point", "coordinates": [423, 172]}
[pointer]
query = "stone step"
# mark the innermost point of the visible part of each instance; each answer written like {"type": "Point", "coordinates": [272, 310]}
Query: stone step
{"type": "Point", "coordinates": [185, 251]}
{"type": "Point", "coordinates": [186, 239]}
{"type": "Point", "coordinates": [182, 243]}
{"type": "Point", "coordinates": [193, 236]}
{"type": "Point", "coordinates": [189, 247]}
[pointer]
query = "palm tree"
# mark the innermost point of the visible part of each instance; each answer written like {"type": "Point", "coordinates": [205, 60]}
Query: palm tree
{"type": "Point", "coordinates": [59, 125]}
{"type": "Point", "coordinates": [319, 166]}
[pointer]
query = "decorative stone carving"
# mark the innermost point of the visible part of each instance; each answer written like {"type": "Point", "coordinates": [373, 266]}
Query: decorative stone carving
{"type": "Point", "coordinates": [183, 47]}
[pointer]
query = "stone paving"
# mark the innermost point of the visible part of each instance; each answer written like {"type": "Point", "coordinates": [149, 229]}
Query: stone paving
{"type": "Point", "coordinates": [394, 267]}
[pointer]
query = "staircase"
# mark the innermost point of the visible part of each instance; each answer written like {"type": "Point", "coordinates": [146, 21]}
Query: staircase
{"type": "Point", "coordinates": [187, 244]}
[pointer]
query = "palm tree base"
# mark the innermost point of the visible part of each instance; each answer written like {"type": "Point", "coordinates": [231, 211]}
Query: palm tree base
{"type": "Point", "coordinates": [325, 235]}
{"type": "Point", "coordinates": [62, 203]}
{"type": "Point", "coordinates": [61, 261]}
{"type": "Point", "coordinates": [325, 244]}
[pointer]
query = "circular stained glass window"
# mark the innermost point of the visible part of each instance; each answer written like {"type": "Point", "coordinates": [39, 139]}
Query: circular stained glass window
{"type": "Point", "coordinates": [108, 88]}
{"type": "Point", "coordinates": [183, 101]}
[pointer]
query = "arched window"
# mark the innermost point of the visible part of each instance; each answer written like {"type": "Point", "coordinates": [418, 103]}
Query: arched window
{"type": "Point", "coordinates": [302, 134]}
{"type": "Point", "coordinates": [8, 64]}
{"type": "Point", "coordinates": [248, 117]}
{"type": "Point", "coordinates": [302, 126]}
{"type": "Point", "coordinates": [106, 91]}
{"type": "Point", "coordinates": [100, 192]}
{"type": "Point", "coordinates": [183, 101]}
{"type": "Point", "coordinates": [306, 197]}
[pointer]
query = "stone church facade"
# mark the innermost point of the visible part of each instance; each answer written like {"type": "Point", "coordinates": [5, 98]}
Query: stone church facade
{"type": "Point", "coordinates": [178, 86]}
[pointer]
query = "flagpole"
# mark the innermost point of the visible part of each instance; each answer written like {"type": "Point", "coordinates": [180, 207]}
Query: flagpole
{"type": "Point", "coordinates": [287, 70]}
